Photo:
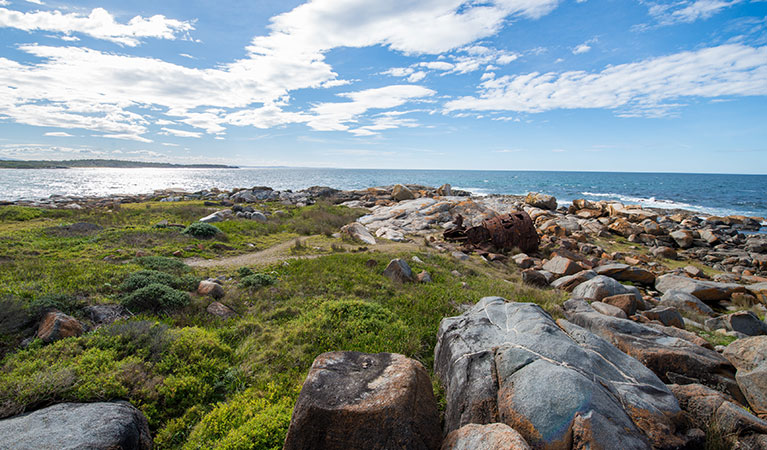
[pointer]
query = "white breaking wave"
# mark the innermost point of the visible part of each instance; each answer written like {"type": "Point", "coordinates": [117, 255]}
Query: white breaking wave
{"type": "Point", "coordinates": [653, 202]}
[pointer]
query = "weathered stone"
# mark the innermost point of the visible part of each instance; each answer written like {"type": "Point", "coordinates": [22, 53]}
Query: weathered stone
{"type": "Point", "coordinates": [608, 310]}
{"type": "Point", "coordinates": [694, 271]}
{"type": "Point", "coordinates": [494, 436]}
{"type": "Point", "coordinates": [709, 237]}
{"type": "Point", "coordinates": [357, 231]}
{"type": "Point", "coordinates": [666, 315]}
{"type": "Point", "coordinates": [534, 278]}
{"type": "Point", "coordinates": [107, 426]}
{"type": "Point", "coordinates": [669, 357]}
{"type": "Point", "coordinates": [570, 282]}
{"type": "Point", "coordinates": [624, 272]}
{"type": "Point", "coordinates": [664, 252]}
{"type": "Point", "coordinates": [561, 266]}
{"type": "Point", "coordinates": [747, 353]}
{"type": "Point", "coordinates": [705, 406]}
{"type": "Point", "coordinates": [600, 287]}
{"type": "Point", "coordinates": [759, 290]}
{"type": "Point", "coordinates": [358, 400]}
{"type": "Point", "coordinates": [523, 261]}
{"type": "Point", "coordinates": [510, 362]}
{"type": "Point", "coordinates": [704, 290]}
{"type": "Point", "coordinates": [542, 201]}
{"type": "Point", "coordinates": [105, 314]}
{"type": "Point", "coordinates": [753, 383]}
{"type": "Point", "coordinates": [445, 190]}
{"type": "Point", "coordinates": [400, 192]}
{"type": "Point", "coordinates": [460, 256]}
{"type": "Point", "coordinates": [623, 227]}
{"type": "Point", "coordinates": [683, 238]}
{"type": "Point", "coordinates": [626, 302]}
{"type": "Point", "coordinates": [685, 302]}
{"type": "Point", "coordinates": [681, 334]}
{"type": "Point", "coordinates": [57, 325]}
{"type": "Point", "coordinates": [424, 277]}
{"type": "Point", "coordinates": [398, 270]}
{"type": "Point", "coordinates": [220, 310]}
{"type": "Point", "coordinates": [745, 322]}
{"type": "Point", "coordinates": [211, 288]}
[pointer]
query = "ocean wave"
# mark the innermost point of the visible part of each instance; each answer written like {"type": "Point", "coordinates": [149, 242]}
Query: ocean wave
{"type": "Point", "coordinates": [652, 202]}
{"type": "Point", "coordinates": [479, 192]}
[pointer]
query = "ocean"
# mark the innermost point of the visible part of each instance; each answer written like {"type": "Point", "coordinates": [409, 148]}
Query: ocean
{"type": "Point", "coordinates": [706, 193]}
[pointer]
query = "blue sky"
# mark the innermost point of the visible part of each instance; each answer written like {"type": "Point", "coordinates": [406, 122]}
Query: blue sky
{"type": "Point", "coordinates": [606, 85]}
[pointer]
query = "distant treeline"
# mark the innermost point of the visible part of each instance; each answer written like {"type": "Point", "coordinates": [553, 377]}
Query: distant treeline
{"type": "Point", "coordinates": [112, 163]}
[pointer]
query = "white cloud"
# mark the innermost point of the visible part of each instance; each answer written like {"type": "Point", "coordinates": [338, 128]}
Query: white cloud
{"type": "Point", "coordinates": [36, 2]}
{"type": "Point", "coordinates": [416, 76]}
{"type": "Point", "coordinates": [582, 48]}
{"type": "Point", "coordinates": [338, 116]}
{"type": "Point", "coordinates": [687, 11]}
{"type": "Point", "coordinates": [58, 134]}
{"type": "Point", "coordinates": [117, 94]}
{"type": "Point", "coordinates": [181, 133]}
{"type": "Point", "coordinates": [646, 88]}
{"type": "Point", "coordinates": [99, 24]}
{"type": "Point", "coordinates": [4, 3]}
{"type": "Point", "coordinates": [126, 137]}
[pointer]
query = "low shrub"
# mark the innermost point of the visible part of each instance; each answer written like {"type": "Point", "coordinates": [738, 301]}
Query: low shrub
{"type": "Point", "coordinates": [144, 278]}
{"type": "Point", "coordinates": [18, 213]}
{"type": "Point", "coordinates": [201, 230]}
{"type": "Point", "coordinates": [65, 303]}
{"type": "Point", "coordinates": [162, 264]}
{"type": "Point", "coordinates": [155, 297]}
{"type": "Point", "coordinates": [243, 272]}
{"type": "Point", "coordinates": [245, 422]}
{"type": "Point", "coordinates": [258, 280]}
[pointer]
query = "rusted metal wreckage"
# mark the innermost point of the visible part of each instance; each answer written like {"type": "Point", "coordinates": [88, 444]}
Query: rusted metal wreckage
{"type": "Point", "coordinates": [496, 234]}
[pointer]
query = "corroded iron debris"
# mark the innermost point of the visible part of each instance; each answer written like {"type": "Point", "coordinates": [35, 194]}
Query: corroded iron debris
{"type": "Point", "coordinates": [499, 233]}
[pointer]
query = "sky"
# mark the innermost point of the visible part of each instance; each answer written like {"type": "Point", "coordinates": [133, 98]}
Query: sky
{"type": "Point", "coordinates": [594, 85]}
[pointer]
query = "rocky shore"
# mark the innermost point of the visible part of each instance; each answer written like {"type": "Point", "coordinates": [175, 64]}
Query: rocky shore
{"type": "Point", "coordinates": [661, 343]}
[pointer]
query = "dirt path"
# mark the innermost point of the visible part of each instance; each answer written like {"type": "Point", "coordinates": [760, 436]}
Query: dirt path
{"type": "Point", "coordinates": [281, 252]}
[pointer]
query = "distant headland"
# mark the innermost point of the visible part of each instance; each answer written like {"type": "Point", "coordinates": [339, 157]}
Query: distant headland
{"type": "Point", "coordinates": [107, 163]}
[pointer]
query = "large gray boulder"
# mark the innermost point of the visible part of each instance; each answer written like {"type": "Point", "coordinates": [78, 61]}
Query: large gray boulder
{"type": "Point", "coordinates": [673, 359]}
{"type": "Point", "coordinates": [624, 272]}
{"type": "Point", "coordinates": [708, 291]}
{"type": "Point", "coordinates": [494, 436]}
{"type": "Point", "coordinates": [685, 302]}
{"type": "Point", "coordinates": [359, 400]}
{"type": "Point", "coordinates": [749, 356]}
{"type": "Point", "coordinates": [600, 287]}
{"type": "Point", "coordinates": [112, 426]}
{"type": "Point", "coordinates": [553, 382]}
{"type": "Point", "coordinates": [543, 201]}
{"type": "Point", "coordinates": [745, 322]}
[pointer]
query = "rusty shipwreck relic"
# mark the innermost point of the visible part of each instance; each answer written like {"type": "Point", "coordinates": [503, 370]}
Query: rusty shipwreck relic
{"type": "Point", "coordinates": [497, 234]}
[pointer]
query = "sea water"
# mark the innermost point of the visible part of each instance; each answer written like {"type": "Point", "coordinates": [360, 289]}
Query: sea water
{"type": "Point", "coordinates": [706, 193]}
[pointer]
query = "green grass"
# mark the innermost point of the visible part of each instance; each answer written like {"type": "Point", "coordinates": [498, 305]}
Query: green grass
{"type": "Point", "coordinates": [205, 382]}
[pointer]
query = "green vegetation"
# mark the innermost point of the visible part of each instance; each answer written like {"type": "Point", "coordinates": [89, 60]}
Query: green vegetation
{"type": "Point", "coordinates": [201, 230]}
{"type": "Point", "coordinates": [205, 382]}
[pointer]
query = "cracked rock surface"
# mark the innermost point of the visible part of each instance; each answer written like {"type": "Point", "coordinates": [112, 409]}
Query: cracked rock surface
{"type": "Point", "coordinates": [557, 384]}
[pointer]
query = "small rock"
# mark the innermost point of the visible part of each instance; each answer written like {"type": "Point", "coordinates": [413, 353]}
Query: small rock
{"type": "Point", "coordinates": [626, 302]}
{"type": "Point", "coordinates": [704, 290]}
{"type": "Point", "coordinates": [445, 190]}
{"type": "Point", "coordinates": [220, 310]}
{"type": "Point", "coordinates": [561, 266]}
{"type": "Point", "coordinates": [600, 287]}
{"type": "Point", "coordinates": [211, 288]}
{"type": "Point", "coordinates": [745, 322]}
{"type": "Point", "coordinates": [357, 231]}
{"type": "Point", "coordinates": [424, 277]}
{"type": "Point", "coordinates": [664, 252]}
{"type": "Point", "coordinates": [534, 278]}
{"type": "Point", "coordinates": [400, 193]}
{"type": "Point", "coordinates": [523, 261]}
{"type": "Point", "coordinates": [693, 271]}
{"type": "Point", "coordinates": [107, 313]}
{"type": "Point", "coordinates": [683, 238]}
{"type": "Point", "coordinates": [542, 201]}
{"type": "Point", "coordinates": [608, 310]}
{"type": "Point", "coordinates": [570, 282]}
{"type": "Point", "coordinates": [398, 270]}
{"type": "Point", "coordinates": [57, 325]}
{"type": "Point", "coordinates": [494, 436]}
{"type": "Point", "coordinates": [668, 316]}
{"type": "Point", "coordinates": [460, 256]}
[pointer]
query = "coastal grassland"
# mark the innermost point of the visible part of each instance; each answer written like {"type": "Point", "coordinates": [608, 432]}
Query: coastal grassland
{"type": "Point", "coordinates": [204, 381]}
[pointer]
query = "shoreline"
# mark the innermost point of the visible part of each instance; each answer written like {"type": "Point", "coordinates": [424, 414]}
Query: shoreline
{"type": "Point", "coordinates": [56, 201]}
